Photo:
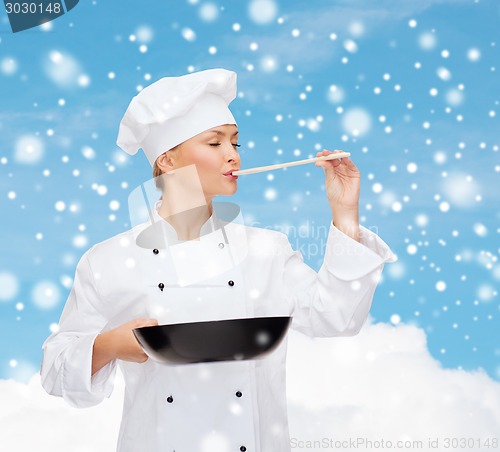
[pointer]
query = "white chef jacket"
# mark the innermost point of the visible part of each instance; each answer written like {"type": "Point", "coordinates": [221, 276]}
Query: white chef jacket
{"type": "Point", "coordinates": [215, 407]}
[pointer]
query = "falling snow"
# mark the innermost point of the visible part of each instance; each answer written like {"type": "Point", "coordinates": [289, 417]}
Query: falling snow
{"type": "Point", "coordinates": [208, 12]}
{"type": "Point", "coordinates": [416, 106]}
{"type": "Point", "coordinates": [262, 11]}
{"type": "Point", "coordinates": [46, 295]}
{"type": "Point", "coordinates": [29, 150]}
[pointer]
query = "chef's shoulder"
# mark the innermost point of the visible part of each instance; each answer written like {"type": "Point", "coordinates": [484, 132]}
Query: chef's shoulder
{"type": "Point", "coordinates": [114, 250]}
{"type": "Point", "coordinates": [268, 241]}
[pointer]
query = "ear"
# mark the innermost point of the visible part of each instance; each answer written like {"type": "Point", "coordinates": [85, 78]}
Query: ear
{"type": "Point", "coordinates": [166, 162]}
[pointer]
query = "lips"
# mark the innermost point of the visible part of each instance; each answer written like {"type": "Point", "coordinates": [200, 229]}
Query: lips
{"type": "Point", "coordinates": [229, 173]}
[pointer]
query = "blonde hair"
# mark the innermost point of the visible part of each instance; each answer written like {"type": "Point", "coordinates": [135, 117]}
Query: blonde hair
{"type": "Point", "coordinates": [157, 172]}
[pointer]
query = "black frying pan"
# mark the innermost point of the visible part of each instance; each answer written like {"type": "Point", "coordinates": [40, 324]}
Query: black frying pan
{"type": "Point", "coordinates": [217, 340]}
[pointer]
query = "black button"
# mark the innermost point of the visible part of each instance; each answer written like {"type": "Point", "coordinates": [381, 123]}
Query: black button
{"type": "Point", "coordinates": [238, 394]}
{"type": "Point", "coordinates": [231, 282]}
{"type": "Point", "coordinates": [243, 448]}
{"type": "Point", "coordinates": [170, 399]}
{"type": "Point", "coordinates": [155, 251]}
{"type": "Point", "coordinates": [161, 286]}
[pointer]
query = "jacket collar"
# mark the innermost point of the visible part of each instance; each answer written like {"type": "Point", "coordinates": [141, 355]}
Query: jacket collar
{"type": "Point", "coordinates": [159, 233]}
{"type": "Point", "coordinates": [169, 231]}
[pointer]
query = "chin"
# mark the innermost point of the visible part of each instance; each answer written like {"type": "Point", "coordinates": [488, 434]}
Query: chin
{"type": "Point", "coordinates": [228, 191]}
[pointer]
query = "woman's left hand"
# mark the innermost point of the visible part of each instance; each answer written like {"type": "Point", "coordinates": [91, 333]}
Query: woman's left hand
{"type": "Point", "coordinates": [342, 183]}
{"type": "Point", "coordinates": [342, 190]}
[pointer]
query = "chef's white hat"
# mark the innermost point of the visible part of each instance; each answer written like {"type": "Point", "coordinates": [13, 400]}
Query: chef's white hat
{"type": "Point", "coordinates": [174, 109]}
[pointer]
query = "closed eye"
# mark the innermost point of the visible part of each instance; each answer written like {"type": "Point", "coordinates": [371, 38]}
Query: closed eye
{"type": "Point", "coordinates": [218, 144]}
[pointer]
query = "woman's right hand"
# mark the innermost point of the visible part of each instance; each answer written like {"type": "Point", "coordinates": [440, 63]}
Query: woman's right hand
{"type": "Point", "coordinates": [125, 344]}
{"type": "Point", "coordinates": [119, 343]}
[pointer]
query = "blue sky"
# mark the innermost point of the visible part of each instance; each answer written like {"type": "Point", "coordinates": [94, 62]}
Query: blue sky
{"type": "Point", "coordinates": [410, 88]}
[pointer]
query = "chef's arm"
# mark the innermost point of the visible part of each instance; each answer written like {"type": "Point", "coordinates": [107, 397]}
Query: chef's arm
{"type": "Point", "coordinates": [347, 221]}
{"type": "Point", "coordinates": [66, 369]}
{"type": "Point", "coordinates": [119, 343]}
{"type": "Point", "coordinates": [102, 352]}
{"type": "Point", "coordinates": [336, 300]}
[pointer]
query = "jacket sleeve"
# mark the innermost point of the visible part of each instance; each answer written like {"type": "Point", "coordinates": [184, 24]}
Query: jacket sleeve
{"type": "Point", "coordinates": [336, 300]}
{"type": "Point", "coordinates": [67, 354]}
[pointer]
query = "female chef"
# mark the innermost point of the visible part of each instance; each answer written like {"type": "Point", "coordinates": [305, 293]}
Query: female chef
{"type": "Point", "coordinates": [200, 268]}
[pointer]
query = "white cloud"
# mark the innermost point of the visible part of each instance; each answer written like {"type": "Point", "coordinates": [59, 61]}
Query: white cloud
{"type": "Point", "coordinates": [33, 420]}
{"type": "Point", "coordinates": [381, 384]}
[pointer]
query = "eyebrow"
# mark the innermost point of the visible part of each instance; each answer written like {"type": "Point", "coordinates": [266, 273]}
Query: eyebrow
{"type": "Point", "coordinates": [218, 132]}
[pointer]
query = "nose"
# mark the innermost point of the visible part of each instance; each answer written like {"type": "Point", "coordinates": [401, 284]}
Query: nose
{"type": "Point", "coordinates": [232, 155]}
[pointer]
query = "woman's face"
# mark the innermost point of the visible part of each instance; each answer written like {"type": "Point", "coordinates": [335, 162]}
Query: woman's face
{"type": "Point", "coordinates": [215, 154]}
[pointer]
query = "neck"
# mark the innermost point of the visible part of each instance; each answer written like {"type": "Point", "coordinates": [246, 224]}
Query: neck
{"type": "Point", "coordinates": [184, 204]}
{"type": "Point", "coordinates": [188, 223]}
